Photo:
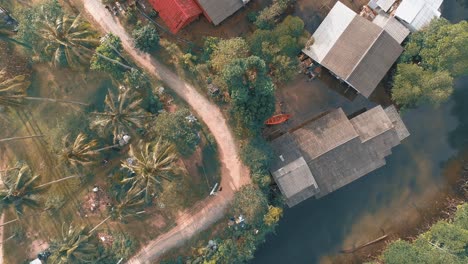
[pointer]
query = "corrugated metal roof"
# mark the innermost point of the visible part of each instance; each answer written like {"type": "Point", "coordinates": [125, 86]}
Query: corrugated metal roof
{"type": "Point", "coordinates": [369, 138]}
{"type": "Point", "coordinates": [332, 27]}
{"type": "Point", "coordinates": [371, 123]}
{"type": "Point", "coordinates": [176, 14]}
{"type": "Point", "coordinates": [395, 117]}
{"type": "Point", "coordinates": [375, 64]}
{"type": "Point", "coordinates": [218, 10]}
{"type": "Point", "coordinates": [347, 44]}
{"type": "Point", "coordinates": [393, 27]}
{"type": "Point", "coordinates": [350, 48]}
{"type": "Point", "coordinates": [385, 4]}
{"type": "Point", "coordinates": [294, 178]}
{"type": "Point", "coordinates": [325, 134]}
{"type": "Point", "coordinates": [418, 13]}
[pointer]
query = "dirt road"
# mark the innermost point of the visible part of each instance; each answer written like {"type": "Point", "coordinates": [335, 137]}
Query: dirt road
{"type": "Point", "coordinates": [234, 174]}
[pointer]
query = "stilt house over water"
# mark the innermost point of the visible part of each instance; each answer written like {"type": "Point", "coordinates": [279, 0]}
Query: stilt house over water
{"type": "Point", "coordinates": [354, 49]}
{"type": "Point", "coordinates": [324, 155]}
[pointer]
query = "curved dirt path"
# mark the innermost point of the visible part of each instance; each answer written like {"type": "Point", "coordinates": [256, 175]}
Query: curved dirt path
{"type": "Point", "coordinates": [234, 174]}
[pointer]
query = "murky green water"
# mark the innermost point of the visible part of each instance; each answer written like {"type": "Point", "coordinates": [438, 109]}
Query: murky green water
{"type": "Point", "coordinates": [389, 200]}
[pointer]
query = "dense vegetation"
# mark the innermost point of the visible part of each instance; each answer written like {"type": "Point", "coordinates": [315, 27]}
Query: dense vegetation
{"type": "Point", "coordinates": [146, 38]}
{"type": "Point", "coordinates": [127, 124]}
{"type": "Point", "coordinates": [433, 57]}
{"type": "Point", "coordinates": [445, 242]}
{"type": "Point", "coordinates": [247, 70]}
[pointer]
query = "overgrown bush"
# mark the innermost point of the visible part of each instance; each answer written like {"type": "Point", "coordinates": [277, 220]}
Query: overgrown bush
{"type": "Point", "coordinates": [269, 15]}
{"type": "Point", "coordinates": [179, 129]}
{"type": "Point", "coordinates": [146, 38]}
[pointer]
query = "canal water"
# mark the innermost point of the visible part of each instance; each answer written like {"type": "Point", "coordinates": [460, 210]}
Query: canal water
{"type": "Point", "coordinates": [391, 200]}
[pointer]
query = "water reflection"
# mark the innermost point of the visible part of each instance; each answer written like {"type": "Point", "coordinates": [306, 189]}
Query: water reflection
{"type": "Point", "coordinates": [390, 200]}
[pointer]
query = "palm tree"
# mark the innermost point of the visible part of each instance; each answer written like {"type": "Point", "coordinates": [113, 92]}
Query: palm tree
{"type": "Point", "coordinates": [21, 188]}
{"type": "Point", "coordinates": [130, 203]}
{"type": "Point", "coordinates": [78, 152]}
{"type": "Point", "coordinates": [19, 138]}
{"type": "Point", "coordinates": [67, 40]}
{"type": "Point", "coordinates": [6, 32]}
{"type": "Point", "coordinates": [13, 93]}
{"type": "Point", "coordinates": [152, 164]}
{"type": "Point", "coordinates": [75, 246]}
{"type": "Point", "coordinates": [70, 40]}
{"type": "Point", "coordinates": [120, 116]}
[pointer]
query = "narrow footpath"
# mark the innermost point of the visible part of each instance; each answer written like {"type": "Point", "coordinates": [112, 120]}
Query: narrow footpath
{"type": "Point", "coordinates": [233, 173]}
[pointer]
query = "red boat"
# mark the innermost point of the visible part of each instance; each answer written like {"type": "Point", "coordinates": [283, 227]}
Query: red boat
{"type": "Point", "coordinates": [277, 119]}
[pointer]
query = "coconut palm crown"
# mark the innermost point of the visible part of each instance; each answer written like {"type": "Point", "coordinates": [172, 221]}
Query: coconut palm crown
{"type": "Point", "coordinates": [152, 164]}
{"type": "Point", "coordinates": [20, 189]}
{"type": "Point", "coordinates": [120, 116]}
{"type": "Point", "coordinates": [13, 90]}
{"type": "Point", "coordinates": [79, 151]}
{"type": "Point", "coordinates": [129, 203]}
{"type": "Point", "coordinates": [75, 246]}
{"type": "Point", "coordinates": [66, 40]}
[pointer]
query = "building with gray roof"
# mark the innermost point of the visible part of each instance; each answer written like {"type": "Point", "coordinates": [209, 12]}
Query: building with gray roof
{"type": "Point", "coordinates": [354, 49]}
{"type": "Point", "coordinates": [332, 151]}
{"type": "Point", "coordinates": [218, 10]}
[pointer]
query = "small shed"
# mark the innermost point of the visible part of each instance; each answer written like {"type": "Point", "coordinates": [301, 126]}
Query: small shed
{"type": "Point", "coordinates": [177, 13]}
{"type": "Point", "coordinates": [36, 261]}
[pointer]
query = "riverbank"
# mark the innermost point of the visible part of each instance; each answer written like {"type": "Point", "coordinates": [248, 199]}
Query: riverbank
{"type": "Point", "coordinates": [397, 198]}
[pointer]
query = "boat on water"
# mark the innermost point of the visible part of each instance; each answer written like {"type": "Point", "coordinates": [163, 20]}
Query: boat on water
{"type": "Point", "coordinates": [277, 119]}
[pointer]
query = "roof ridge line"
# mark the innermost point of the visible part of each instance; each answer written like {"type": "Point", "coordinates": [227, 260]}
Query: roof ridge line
{"type": "Point", "coordinates": [365, 53]}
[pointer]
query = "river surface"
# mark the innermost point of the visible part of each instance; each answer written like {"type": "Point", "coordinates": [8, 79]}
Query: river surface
{"type": "Point", "coordinates": [391, 200]}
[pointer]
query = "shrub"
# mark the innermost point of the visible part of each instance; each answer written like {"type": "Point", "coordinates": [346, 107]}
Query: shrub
{"type": "Point", "coordinates": [146, 38]}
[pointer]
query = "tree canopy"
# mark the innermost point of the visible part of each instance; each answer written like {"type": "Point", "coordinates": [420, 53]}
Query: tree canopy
{"type": "Point", "coordinates": [250, 202]}
{"type": "Point", "coordinates": [110, 47]}
{"type": "Point", "coordinates": [414, 85]}
{"type": "Point", "coordinates": [269, 15]}
{"type": "Point", "coordinates": [179, 129]}
{"type": "Point", "coordinates": [226, 51]}
{"type": "Point", "coordinates": [251, 91]}
{"type": "Point", "coordinates": [279, 46]}
{"type": "Point", "coordinates": [445, 242]}
{"type": "Point", "coordinates": [146, 38]}
{"type": "Point", "coordinates": [432, 58]}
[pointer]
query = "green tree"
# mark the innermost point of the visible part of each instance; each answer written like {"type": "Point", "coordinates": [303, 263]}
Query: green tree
{"type": "Point", "coordinates": [129, 203]}
{"type": "Point", "coordinates": [152, 164]}
{"type": "Point", "coordinates": [273, 216]}
{"type": "Point", "coordinates": [180, 129]}
{"type": "Point", "coordinates": [146, 38]}
{"type": "Point", "coordinates": [123, 247]}
{"type": "Point", "coordinates": [137, 79]}
{"type": "Point", "coordinates": [121, 115]}
{"type": "Point", "coordinates": [413, 85]}
{"type": "Point", "coordinates": [29, 23]}
{"type": "Point", "coordinates": [445, 242]}
{"type": "Point", "coordinates": [79, 152]}
{"type": "Point", "coordinates": [426, 47]}
{"type": "Point", "coordinates": [227, 51]}
{"type": "Point", "coordinates": [65, 40]}
{"type": "Point", "coordinates": [76, 246]}
{"type": "Point", "coordinates": [432, 57]}
{"type": "Point", "coordinates": [111, 47]}
{"type": "Point", "coordinates": [251, 91]}
{"type": "Point", "coordinates": [279, 47]}
{"type": "Point", "coordinates": [250, 202]}
{"type": "Point", "coordinates": [21, 188]}
{"type": "Point", "coordinates": [269, 15]}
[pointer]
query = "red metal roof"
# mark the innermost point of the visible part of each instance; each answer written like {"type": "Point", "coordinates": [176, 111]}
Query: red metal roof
{"type": "Point", "coordinates": [176, 13]}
